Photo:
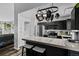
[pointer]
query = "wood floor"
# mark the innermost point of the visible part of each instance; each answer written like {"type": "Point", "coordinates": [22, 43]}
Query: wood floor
{"type": "Point", "coordinates": [9, 51]}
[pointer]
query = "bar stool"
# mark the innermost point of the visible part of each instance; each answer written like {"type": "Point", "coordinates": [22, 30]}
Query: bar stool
{"type": "Point", "coordinates": [38, 51]}
{"type": "Point", "coordinates": [28, 47]}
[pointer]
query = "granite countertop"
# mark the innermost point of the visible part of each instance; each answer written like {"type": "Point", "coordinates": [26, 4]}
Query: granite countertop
{"type": "Point", "coordinates": [55, 42]}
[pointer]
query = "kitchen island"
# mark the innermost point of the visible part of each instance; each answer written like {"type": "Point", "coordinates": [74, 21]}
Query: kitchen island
{"type": "Point", "coordinates": [54, 46]}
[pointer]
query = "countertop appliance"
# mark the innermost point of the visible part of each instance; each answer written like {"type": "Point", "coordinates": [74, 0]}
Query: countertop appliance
{"type": "Point", "coordinates": [75, 36]}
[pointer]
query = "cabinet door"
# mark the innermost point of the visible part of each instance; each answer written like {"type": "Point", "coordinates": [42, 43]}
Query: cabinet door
{"type": "Point", "coordinates": [61, 25]}
{"type": "Point", "coordinates": [73, 24]}
{"type": "Point", "coordinates": [58, 25]}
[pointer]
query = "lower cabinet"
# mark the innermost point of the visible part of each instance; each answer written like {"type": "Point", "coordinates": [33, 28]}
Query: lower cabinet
{"type": "Point", "coordinates": [73, 53]}
{"type": "Point", "coordinates": [53, 51]}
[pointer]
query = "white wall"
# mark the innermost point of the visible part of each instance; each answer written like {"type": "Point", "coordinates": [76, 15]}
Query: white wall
{"type": "Point", "coordinates": [6, 12]}
{"type": "Point", "coordinates": [63, 11]}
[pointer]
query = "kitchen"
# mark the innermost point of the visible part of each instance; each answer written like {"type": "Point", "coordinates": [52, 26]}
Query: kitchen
{"type": "Point", "coordinates": [39, 29]}
{"type": "Point", "coordinates": [49, 30]}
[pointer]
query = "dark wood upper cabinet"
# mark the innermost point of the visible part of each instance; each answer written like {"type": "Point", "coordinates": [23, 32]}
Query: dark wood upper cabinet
{"type": "Point", "coordinates": [58, 25]}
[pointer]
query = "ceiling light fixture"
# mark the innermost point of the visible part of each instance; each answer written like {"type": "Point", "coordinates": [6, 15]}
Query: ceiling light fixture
{"type": "Point", "coordinates": [46, 13]}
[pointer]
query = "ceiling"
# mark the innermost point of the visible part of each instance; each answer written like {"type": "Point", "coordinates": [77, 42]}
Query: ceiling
{"type": "Point", "coordinates": [21, 7]}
